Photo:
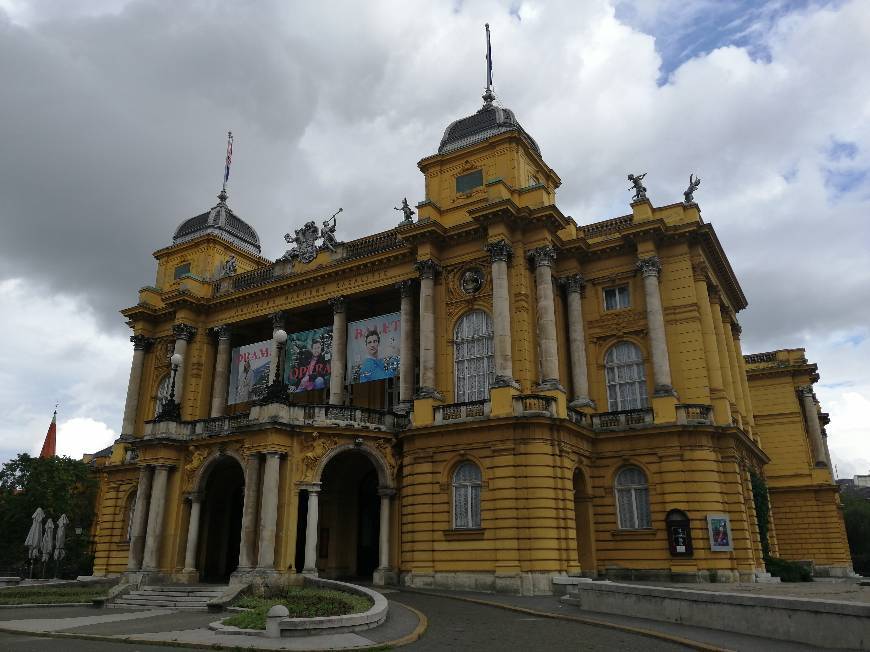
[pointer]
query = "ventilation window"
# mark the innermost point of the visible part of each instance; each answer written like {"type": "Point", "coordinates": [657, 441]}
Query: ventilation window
{"type": "Point", "coordinates": [470, 181]}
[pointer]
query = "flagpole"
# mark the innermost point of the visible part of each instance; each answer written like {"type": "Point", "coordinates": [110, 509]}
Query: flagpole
{"type": "Point", "coordinates": [488, 96]}
{"type": "Point", "coordinates": [228, 162]}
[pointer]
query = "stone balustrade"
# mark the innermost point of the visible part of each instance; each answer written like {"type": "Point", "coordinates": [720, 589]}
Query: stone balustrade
{"type": "Point", "coordinates": [622, 419]}
{"type": "Point", "coordinates": [534, 405]}
{"type": "Point", "coordinates": [694, 414]}
{"type": "Point", "coordinates": [456, 412]}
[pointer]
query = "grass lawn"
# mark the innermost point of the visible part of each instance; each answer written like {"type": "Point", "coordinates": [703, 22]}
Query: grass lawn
{"type": "Point", "coordinates": [300, 602]}
{"type": "Point", "coordinates": [51, 594]}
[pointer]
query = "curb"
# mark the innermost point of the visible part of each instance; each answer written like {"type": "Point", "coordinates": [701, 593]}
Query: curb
{"type": "Point", "coordinates": [422, 626]}
{"type": "Point", "coordinates": [695, 645]}
{"type": "Point", "coordinates": [33, 605]}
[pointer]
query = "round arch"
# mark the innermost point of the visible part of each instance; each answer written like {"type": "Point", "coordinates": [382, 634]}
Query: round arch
{"type": "Point", "coordinates": [200, 477]}
{"type": "Point", "coordinates": [385, 476]}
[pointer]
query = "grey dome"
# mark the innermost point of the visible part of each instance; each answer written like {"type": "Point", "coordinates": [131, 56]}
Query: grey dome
{"type": "Point", "coordinates": [221, 221]}
{"type": "Point", "coordinates": [489, 121]}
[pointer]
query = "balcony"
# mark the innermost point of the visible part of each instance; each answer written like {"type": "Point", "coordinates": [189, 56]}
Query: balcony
{"type": "Point", "coordinates": [622, 419]}
{"type": "Point", "coordinates": [459, 412]}
{"type": "Point", "coordinates": [694, 414]}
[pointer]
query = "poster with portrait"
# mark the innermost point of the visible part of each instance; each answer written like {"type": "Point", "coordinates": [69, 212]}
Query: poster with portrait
{"type": "Point", "coordinates": [719, 528]}
{"type": "Point", "coordinates": [373, 348]}
{"type": "Point", "coordinates": [249, 372]}
{"type": "Point", "coordinates": [308, 360]}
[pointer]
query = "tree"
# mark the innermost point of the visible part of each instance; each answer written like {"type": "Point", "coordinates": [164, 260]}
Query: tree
{"type": "Point", "coordinates": [60, 485]}
{"type": "Point", "coordinates": [856, 514]}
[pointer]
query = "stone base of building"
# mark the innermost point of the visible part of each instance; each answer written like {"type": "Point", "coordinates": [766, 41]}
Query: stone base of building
{"type": "Point", "coordinates": [722, 576]}
{"type": "Point", "coordinates": [834, 571]}
{"type": "Point", "coordinates": [384, 577]}
{"type": "Point", "coordinates": [537, 583]}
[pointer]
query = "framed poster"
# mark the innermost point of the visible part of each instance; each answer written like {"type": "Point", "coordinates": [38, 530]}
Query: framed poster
{"type": "Point", "coordinates": [719, 528]}
{"type": "Point", "coordinates": [249, 372]}
{"type": "Point", "coordinates": [373, 348]}
{"type": "Point", "coordinates": [308, 361]}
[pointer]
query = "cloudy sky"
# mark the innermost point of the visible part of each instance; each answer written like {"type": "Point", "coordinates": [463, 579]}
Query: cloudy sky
{"type": "Point", "coordinates": [114, 114]}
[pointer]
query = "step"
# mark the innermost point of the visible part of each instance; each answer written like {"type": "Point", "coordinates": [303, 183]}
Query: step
{"type": "Point", "coordinates": [165, 595]}
{"type": "Point", "coordinates": [124, 605]}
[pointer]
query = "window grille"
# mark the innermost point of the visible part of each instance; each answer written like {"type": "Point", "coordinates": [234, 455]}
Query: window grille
{"type": "Point", "coordinates": [632, 499]}
{"type": "Point", "coordinates": [162, 393]}
{"type": "Point", "coordinates": [466, 496]}
{"type": "Point", "coordinates": [473, 357]}
{"type": "Point", "coordinates": [626, 380]}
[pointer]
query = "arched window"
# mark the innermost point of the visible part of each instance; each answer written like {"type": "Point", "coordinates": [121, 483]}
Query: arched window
{"type": "Point", "coordinates": [162, 393]}
{"type": "Point", "coordinates": [472, 355]}
{"type": "Point", "coordinates": [626, 382]}
{"type": "Point", "coordinates": [129, 509]}
{"type": "Point", "coordinates": [632, 499]}
{"type": "Point", "coordinates": [466, 496]}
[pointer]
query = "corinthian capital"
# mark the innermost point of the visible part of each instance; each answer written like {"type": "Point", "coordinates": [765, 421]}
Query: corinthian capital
{"type": "Point", "coordinates": [184, 332]}
{"type": "Point", "coordinates": [499, 250]}
{"type": "Point", "coordinates": [542, 256]}
{"type": "Point", "coordinates": [278, 320]}
{"type": "Point", "coordinates": [140, 342]}
{"type": "Point", "coordinates": [222, 332]}
{"type": "Point", "coordinates": [804, 391]}
{"type": "Point", "coordinates": [427, 268]}
{"type": "Point", "coordinates": [405, 288]}
{"type": "Point", "coordinates": [338, 305]}
{"type": "Point", "coordinates": [650, 266]}
{"type": "Point", "coordinates": [573, 283]}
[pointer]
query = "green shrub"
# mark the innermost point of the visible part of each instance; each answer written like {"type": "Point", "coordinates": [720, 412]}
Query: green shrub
{"type": "Point", "coordinates": [52, 594]}
{"type": "Point", "coordinates": [788, 571]}
{"type": "Point", "coordinates": [300, 602]}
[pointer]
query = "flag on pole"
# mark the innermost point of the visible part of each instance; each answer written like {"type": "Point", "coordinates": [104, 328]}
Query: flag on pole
{"type": "Point", "coordinates": [49, 446]}
{"type": "Point", "coordinates": [229, 158]}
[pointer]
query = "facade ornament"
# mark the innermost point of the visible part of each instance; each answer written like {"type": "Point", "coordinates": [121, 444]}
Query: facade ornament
{"type": "Point", "coordinates": [385, 447]}
{"type": "Point", "coordinates": [141, 343]}
{"type": "Point", "coordinates": [736, 330]}
{"type": "Point", "coordinates": [304, 240]}
{"type": "Point", "coordinates": [427, 268]}
{"type": "Point", "coordinates": [689, 193]}
{"type": "Point", "coordinates": [405, 288]}
{"type": "Point", "coordinates": [314, 452]}
{"type": "Point", "coordinates": [499, 250]}
{"type": "Point", "coordinates": [406, 210]}
{"type": "Point", "coordinates": [700, 270]}
{"type": "Point", "coordinates": [650, 266]}
{"type": "Point", "coordinates": [229, 266]}
{"type": "Point", "coordinates": [339, 304]}
{"type": "Point", "coordinates": [197, 457]}
{"type": "Point", "coordinates": [471, 281]}
{"type": "Point", "coordinates": [638, 187]}
{"type": "Point", "coordinates": [184, 332]}
{"type": "Point", "coordinates": [573, 282]}
{"type": "Point", "coordinates": [542, 256]}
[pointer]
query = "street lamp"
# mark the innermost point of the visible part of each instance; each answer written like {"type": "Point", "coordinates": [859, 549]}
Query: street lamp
{"type": "Point", "coordinates": [277, 391]}
{"type": "Point", "coordinates": [171, 410]}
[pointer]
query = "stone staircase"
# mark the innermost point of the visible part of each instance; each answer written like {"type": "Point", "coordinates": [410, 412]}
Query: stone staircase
{"type": "Point", "coordinates": [169, 596]}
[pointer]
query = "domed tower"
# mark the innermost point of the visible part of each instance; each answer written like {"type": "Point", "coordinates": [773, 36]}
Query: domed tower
{"type": "Point", "coordinates": [484, 157]}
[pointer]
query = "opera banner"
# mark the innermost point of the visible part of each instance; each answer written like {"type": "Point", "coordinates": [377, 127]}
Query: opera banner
{"type": "Point", "coordinates": [249, 372]}
{"type": "Point", "coordinates": [373, 348]}
{"type": "Point", "coordinates": [308, 359]}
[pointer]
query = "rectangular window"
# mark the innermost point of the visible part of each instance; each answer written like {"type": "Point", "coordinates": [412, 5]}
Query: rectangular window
{"type": "Point", "coordinates": [181, 270]}
{"type": "Point", "coordinates": [470, 181]}
{"type": "Point", "coordinates": [616, 298]}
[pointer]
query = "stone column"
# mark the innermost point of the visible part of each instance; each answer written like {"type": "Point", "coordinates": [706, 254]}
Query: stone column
{"type": "Point", "coordinates": [221, 372]}
{"type": "Point", "coordinates": [427, 270]}
{"type": "Point", "coordinates": [310, 567]}
{"type": "Point", "coordinates": [728, 327]}
{"type": "Point", "coordinates": [140, 519]}
{"type": "Point", "coordinates": [339, 351]}
{"type": "Point", "coordinates": [249, 512]}
{"type": "Point", "coordinates": [500, 252]}
{"type": "Point", "coordinates": [814, 427]}
{"type": "Point", "coordinates": [184, 333]}
{"type": "Point", "coordinates": [725, 368]}
{"type": "Point", "coordinates": [548, 351]}
{"type": "Point", "coordinates": [650, 268]}
{"type": "Point", "coordinates": [721, 407]}
{"type": "Point", "coordinates": [192, 533]}
{"type": "Point", "coordinates": [384, 539]}
{"type": "Point", "coordinates": [278, 323]}
{"type": "Point", "coordinates": [269, 512]}
{"type": "Point", "coordinates": [736, 331]}
{"type": "Point", "coordinates": [406, 346]}
{"type": "Point", "coordinates": [577, 341]}
{"type": "Point", "coordinates": [140, 346]}
{"type": "Point", "coordinates": [157, 507]}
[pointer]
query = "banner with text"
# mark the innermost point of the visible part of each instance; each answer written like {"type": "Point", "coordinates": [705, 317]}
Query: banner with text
{"type": "Point", "coordinates": [373, 348]}
{"type": "Point", "coordinates": [308, 362]}
{"type": "Point", "coordinates": [249, 372]}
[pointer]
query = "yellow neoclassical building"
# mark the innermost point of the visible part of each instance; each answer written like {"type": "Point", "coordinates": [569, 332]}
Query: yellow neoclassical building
{"type": "Point", "coordinates": [488, 396]}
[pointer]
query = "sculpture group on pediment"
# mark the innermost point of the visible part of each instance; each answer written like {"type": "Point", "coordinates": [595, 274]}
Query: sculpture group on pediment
{"type": "Point", "coordinates": [305, 239]}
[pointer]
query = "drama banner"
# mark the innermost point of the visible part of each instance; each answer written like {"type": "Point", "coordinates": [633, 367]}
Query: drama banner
{"type": "Point", "coordinates": [373, 348]}
{"type": "Point", "coordinates": [309, 360]}
{"type": "Point", "coordinates": [249, 372]}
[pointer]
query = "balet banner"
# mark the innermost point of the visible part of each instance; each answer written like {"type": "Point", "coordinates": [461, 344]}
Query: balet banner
{"type": "Point", "coordinates": [373, 348]}
{"type": "Point", "coordinates": [309, 359]}
{"type": "Point", "coordinates": [249, 372]}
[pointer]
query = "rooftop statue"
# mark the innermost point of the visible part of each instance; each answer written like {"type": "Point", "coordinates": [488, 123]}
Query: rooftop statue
{"type": "Point", "coordinates": [407, 211]}
{"type": "Point", "coordinates": [304, 240]}
{"type": "Point", "coordinates": [638, 187]}
{"type": "Point", "coordinates": [689, 194]}
{"type": "Point", "coordinates": [327, 233]}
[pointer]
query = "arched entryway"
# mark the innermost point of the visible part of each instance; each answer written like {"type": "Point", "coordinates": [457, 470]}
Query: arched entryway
{"type": "Point", "coordinates": [348, 522]}
{"type": "Point", "coordinates": [583, 521]}
{"type": "Point", "coordinates": [221, 520]}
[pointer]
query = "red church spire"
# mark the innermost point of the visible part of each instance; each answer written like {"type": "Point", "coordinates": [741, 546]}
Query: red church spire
{"type": "Point", "coordinates": [49, 446]}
